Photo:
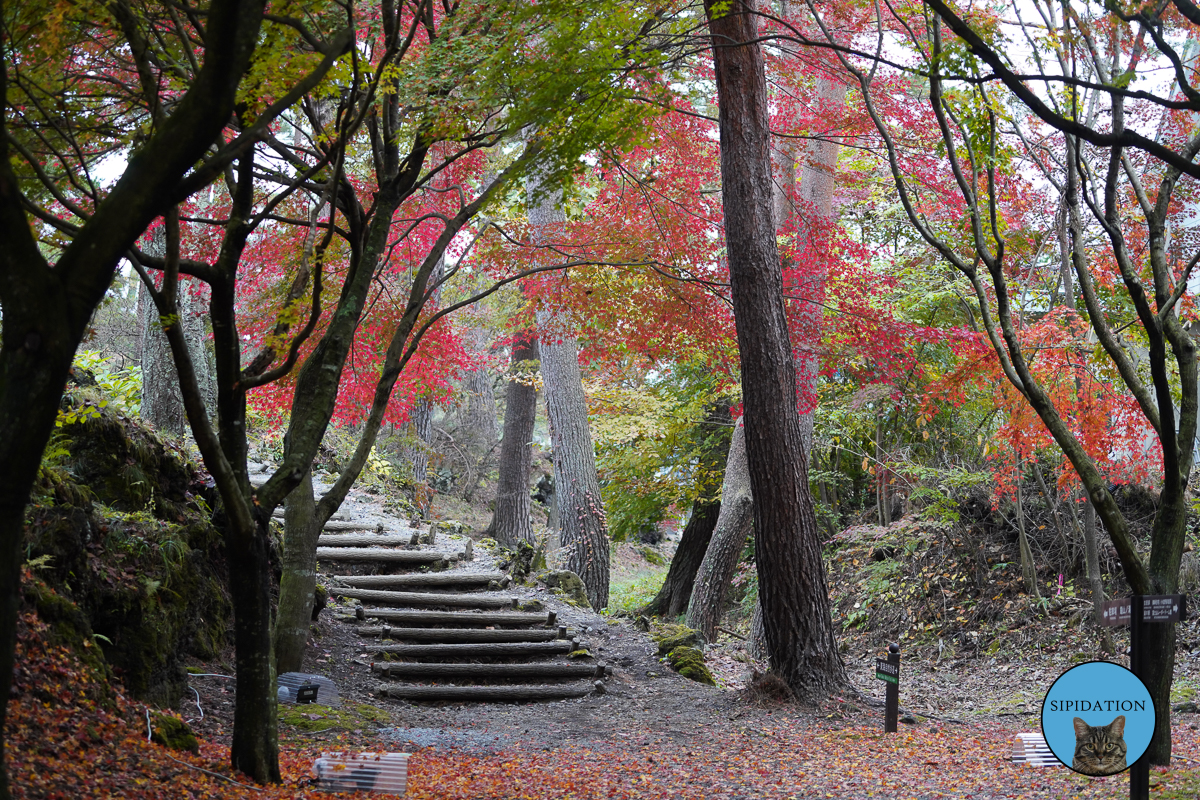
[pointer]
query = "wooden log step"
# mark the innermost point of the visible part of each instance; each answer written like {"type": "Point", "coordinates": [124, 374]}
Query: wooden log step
{"type": "Point", "coordinates": [478, 619]}
{"type": "Point", "coordinates": [365, 540]}
{"type": "Point", "coordinates": [489, 694]}
{"type": "Point", "coordinates": [438, 672]}
{"type": "Point", "coordinates": [334, 525]}
{"type": "Point", "coordinates": [373, 554]}
{"type": "Point", "coordinates": [460, 634]}
{"type": "Point", "coordinates": [429, 598]}
{"type": "Point", "coordinates": [419, 582]}
{"type": "Point", "coordinates": [476, 650]}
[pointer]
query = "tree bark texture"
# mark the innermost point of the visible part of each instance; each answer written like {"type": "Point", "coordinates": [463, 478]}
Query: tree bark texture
{"type": "Point", "coordinates": [716, 570]}
{"type": "Point", "coordinates": [815, 190]}
{"type": "Point", "coordinates": [510, 520]}
{"type": "Point", "coordinates": [298, 581]}
{"type": "Point", "coordinates": [583, 530]}
{"type": "Point", "coordinates": [791, 574]}
{"type": "Point", "coordinates": [420, 423]}
{"type": "Point", "coordinates": [582, 527]}
{"type": "Point", "coordinates": [676, 592]}
{"type": "Point", "coordinates": [479, 417]}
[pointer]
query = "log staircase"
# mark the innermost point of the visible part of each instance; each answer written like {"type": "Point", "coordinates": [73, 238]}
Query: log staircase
{"type": "Point", "coordinates": [445, 629]}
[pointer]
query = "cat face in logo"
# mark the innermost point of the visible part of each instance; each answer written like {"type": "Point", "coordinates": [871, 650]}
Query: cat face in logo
{"type": "Point", "coordinates": [1099, 749]}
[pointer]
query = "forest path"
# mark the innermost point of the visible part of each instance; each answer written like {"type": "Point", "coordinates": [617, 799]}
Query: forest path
{"type": "Point", "coordinates": [436, 622]}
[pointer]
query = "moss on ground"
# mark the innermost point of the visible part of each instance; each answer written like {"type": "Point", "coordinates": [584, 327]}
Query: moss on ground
{"type": "Point", "coordinates": [689, 662]}
{"type": "Point", "coordinates": [312, 718]}
{"type": "Point", "coordinates": [669, 637]}
{"type": "Point", "coordinates": [172, 732]}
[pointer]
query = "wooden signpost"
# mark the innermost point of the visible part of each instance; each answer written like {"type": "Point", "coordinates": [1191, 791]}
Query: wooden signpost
{"type": "Point", "coordinates": [889, 671]}
{"type": "Point", "coordinates": [1137, 611]}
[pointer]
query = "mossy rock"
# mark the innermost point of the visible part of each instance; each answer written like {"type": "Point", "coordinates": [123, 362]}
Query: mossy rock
{"type": "Point", "coordinates": [172, 732]}
{"type": "Point", "coordinates": [531, 606]}
{"type": "Point", "coordinates": [450, 527]}
{"type": "Point", "coordinates": [652, 556]}
{"type": "Point", "coordinates": [312, 717]}
{"type": "Point", "coordinates": [671, 636]}
{"type": "Point", "coordinates": [569, 585]}
{"type": "Point", "coordinates": [689, 662]}
{"type": "Point", "coordinates": [144, 566]}
{"type": "Point", "coordinates": [525, 560]}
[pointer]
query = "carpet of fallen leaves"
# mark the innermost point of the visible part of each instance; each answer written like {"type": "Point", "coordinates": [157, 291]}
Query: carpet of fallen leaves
{"type": "Point", "coordinates": [69, 738]}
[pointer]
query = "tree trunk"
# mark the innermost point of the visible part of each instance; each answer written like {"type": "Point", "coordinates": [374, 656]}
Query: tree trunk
{"type": "Point", "coordinates": [255, 746]}
{"type": "Point", "coordinates": [297, 584]}
{"type": "Point", "coordinates": [583, 530]}
{"type": "Point", "coordinates": [1091, 552]}
{"type": "Point", "coordinates": [420, 421]}
{"type": "Point", "coordinates": [816, 187]}
{"type": "Point", "coordinates": [707, 602]}
{"type": "Point", "coordinates": [1028, 569]}
{"type": "Point", "coordinates": [510, 520]}
{"type": "Point", "coordinates": [479, 419]}
{"type": "Point", "coordinates": [672, 599]}
{"type": "Point", "coordinates": [792, 584]}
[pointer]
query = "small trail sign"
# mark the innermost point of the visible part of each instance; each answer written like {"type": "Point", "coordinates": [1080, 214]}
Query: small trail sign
{"type": "Point", "coordinates": [1163, 608]}
{"type": "Point", "coordinates": [887, 672]}
{"type": "Point", "coordinates": [1115, 613]}
{"type": "Point", "coordinates": [1137, 611]}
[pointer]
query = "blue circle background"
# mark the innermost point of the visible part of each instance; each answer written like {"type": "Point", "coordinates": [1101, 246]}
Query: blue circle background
{"type": "Point", "coordinates": [1097, 680]}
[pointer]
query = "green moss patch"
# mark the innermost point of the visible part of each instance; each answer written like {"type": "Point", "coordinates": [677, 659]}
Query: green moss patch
{"type": "Point", "coordinates": [172, 732]}
{"type": "Point", "coordinates": [689, 662]}
{"type": "Point", "coordinates": [569, 585]}
{"type": "Point", "coordinates": [670, 637]}
{"type": "Point", "coordinates": [312, 717]}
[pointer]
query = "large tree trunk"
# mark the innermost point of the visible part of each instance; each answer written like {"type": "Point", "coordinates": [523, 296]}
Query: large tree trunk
{"type": "Point", "coordinates": [711, 583]}
{"type": "Point", "coordinates": [420, 425]}
{"type": "Point", "coordinates": [582, 528]}
{"type": "Point", "coordinates": [791, 574]}
{"type": "Point", "coordinates": [510, 521]}
{"type": "Point", "coordinates": [298, 581]}
{"type": "Point", "coordinates": [672, 599]}
{"type": "Point", "coordinates": [46, 309]}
